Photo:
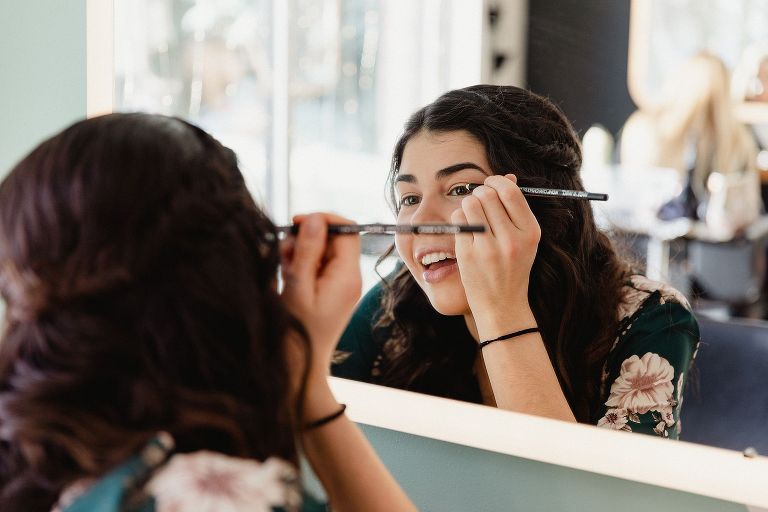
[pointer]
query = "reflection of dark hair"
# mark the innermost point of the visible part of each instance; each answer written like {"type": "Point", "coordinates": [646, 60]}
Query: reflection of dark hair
{"type": "Point", "coordinates": [139, 277]}
{"type": "Point", "coordinates": [576, 280]}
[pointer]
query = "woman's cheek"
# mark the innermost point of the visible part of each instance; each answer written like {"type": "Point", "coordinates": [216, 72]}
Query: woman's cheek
{"type": "Point", "coordinates": [400, 244]}
{"type": "Point", "coordinates": [404, 247]}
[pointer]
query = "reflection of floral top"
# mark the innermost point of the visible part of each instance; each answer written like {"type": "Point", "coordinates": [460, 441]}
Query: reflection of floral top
{"type": "Point", "coordinates": [156, 481]}
{"type": "Point", "coordinates": [643, 375]}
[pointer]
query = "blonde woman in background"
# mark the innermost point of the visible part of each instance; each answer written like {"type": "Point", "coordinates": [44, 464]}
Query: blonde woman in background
{"type": "Point", "coordinates": [695, 131]}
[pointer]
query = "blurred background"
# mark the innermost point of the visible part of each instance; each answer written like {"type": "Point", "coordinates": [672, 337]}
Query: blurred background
{"type": "Point", "coordinates": [670, 98]}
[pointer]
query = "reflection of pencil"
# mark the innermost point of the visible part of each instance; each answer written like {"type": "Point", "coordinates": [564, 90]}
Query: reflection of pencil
{"type": "Point", "coordinates": [556, 192]}
{"type": "Point", "coordinates": [423, 229]}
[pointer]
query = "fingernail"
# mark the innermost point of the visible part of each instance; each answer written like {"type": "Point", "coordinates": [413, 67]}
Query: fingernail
{"type": "Point", "coordinates": [313, 225]}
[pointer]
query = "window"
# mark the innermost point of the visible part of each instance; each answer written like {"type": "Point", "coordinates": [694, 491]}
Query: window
{"type": "Point", "coordinates": [311, 94]}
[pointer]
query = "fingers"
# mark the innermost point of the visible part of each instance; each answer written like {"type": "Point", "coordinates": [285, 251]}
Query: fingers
{"type": "Point", "coordinates": [500, 206]}
{"type": "Point", "coordinates": [499, 219]}
{"type": "Point", "coordinates": [462, 243]}
{"type": "Point", "coordinates": [317, 259]}
{"type": "Point", "coordinates": [512, 199]}
{"type": "Point", "coordinates": [308, 249]}
{"type": "Point", "coordinates": [343, 251]}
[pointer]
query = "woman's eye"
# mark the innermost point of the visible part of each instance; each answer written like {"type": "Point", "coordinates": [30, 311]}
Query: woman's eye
{"type": "Point", "coordinates": [409, 200]}
{"type": "Point", "coordinates": [463, 190]}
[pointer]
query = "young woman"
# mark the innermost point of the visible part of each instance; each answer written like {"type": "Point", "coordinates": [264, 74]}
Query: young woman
{"type": "Point", "coordinates": [538, 314]}
{"type": "Point", "coordinates": [148, 360]}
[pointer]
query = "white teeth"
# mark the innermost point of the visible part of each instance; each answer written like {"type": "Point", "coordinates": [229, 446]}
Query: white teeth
{"type": "Point", "coordinates": [434, 257]}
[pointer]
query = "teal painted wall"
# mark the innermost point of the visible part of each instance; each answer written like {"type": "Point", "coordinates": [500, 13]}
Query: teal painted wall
{"type": "Point", "coordinates": [42, 72]}
{"type": "Point", "coordinates": [446, 477]}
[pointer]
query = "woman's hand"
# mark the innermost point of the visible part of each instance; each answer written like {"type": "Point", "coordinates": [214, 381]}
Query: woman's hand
{"type": "Point", "coordinates": [495, 266]}
{"type": "Point", "coordinates": [321, 282]}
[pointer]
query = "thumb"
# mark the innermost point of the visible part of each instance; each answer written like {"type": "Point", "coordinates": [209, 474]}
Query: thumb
{"type": "Point", "coordinates": [463, 243]}
{"type": "Point", "coordinates": [308, 249]}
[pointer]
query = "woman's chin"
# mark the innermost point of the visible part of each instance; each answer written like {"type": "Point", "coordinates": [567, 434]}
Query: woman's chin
{"type": "Point", "coordinates": [450, 306]}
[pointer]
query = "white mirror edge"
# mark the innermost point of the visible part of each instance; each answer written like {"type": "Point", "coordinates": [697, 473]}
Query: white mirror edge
{"type": "Point", "coordinates": [687, 467]}
{"type": "Point", "coordinates": [100, 57]}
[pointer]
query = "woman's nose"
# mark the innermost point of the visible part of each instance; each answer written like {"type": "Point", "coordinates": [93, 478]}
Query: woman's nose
{"type": "Point", "coordinates": [430, 211]}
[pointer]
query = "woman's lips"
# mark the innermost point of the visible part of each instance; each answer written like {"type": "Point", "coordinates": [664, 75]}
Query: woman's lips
{"type": "Point", "coordinates": [440, 270]}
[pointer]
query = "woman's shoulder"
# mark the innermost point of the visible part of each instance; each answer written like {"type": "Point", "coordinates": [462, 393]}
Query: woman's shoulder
{"type": "Point", "coordinates": [656, 317]}
{"type": "Point", "coordinates": [222, 482]}
{"type": "Point", "coordinates": [644, 374]}
{"type": "Point", "coordinates": [156, 480]}
{"type": "Point", "coordinates": [639, 293]}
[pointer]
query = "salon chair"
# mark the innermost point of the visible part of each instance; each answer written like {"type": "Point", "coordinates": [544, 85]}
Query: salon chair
{"type": "Point", "coordinates": [734, 271]}
{"type": "Point", "coordinates": [726, 396]}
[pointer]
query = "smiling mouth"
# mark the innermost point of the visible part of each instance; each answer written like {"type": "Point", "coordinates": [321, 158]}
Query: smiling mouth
{"type": "Point", "coordinates": [438, 266]}
{"type": "Point", "coordinates": [436, 260]}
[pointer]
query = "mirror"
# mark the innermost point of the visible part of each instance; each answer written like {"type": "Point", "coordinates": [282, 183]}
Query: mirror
{"type": "Point", "coordinates": [320, 89]}
{"type": "Point", "coordinates": [665, 34]}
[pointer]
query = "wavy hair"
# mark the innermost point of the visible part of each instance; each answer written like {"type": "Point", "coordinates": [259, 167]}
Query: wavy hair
{"type": "Point", "coordinates": [697, 115]}
{"type": "Point", "coordinates": [139, 277]}
{"type": "Point", "coordinates": [576, 279]}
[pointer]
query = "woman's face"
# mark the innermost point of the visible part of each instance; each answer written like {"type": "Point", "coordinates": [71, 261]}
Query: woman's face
{"type": "Point", "coordinates": [434, 172]}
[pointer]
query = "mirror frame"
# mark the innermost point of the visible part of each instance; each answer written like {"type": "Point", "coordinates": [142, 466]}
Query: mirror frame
{"type": "Point", "coordinates": [703, 470]}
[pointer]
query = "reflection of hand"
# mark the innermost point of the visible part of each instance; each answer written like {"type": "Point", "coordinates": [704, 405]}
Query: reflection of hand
{"type": "Point", "coordinates": [322, 282]}
{"type": "Point", "coordinates": [495, 266]}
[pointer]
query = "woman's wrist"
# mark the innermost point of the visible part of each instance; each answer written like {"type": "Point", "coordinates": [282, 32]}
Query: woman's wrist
{"type": "Point", "coordinates": [324, 420]}
{"type": "Point", "coordinates": [319, 401]}
{"type": "Point", "coordinates": [491, 325]}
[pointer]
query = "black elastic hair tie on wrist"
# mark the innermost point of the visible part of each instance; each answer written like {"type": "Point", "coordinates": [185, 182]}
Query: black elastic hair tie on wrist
{"type": "Point", "coordinates": [327, 419]}
{"type": "Point", "coordinates": [508, 336]}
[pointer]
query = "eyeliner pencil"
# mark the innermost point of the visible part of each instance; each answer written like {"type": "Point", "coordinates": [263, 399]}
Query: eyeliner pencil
{"type": "Point", "coordinates": [556, 192]}
{"type": "Point", "coordinates": [422, 229]}
{"type": "Point", "coordinates": [441, 229]}
{"type": "Point", "coordinates": [567, 194]}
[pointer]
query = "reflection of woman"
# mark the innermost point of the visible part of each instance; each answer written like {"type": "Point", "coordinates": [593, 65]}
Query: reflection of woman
{"type": "Point", "coordinates": [695, 131]}
{"type": "Point", "coordinates": [148, 362]}
{"type": "Point", "coordinates": [611, 348]}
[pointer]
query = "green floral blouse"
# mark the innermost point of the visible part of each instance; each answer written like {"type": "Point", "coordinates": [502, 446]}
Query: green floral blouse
{"type": "Point", "coordinates": [158, 480]}
{"type": "Point", "coordinates": [643, 375]}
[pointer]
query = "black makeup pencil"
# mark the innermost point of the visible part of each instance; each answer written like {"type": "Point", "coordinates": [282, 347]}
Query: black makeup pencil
{"type": "Point", "coordinates": [442, 229]}
{"type": "Point", "coordinates": [555, 193]}
{"type": "Point", "coordinates": [423, 229]}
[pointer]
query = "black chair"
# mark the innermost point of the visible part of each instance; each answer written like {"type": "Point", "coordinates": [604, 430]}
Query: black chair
{"type": "Point", "coordinates": [725, 403]}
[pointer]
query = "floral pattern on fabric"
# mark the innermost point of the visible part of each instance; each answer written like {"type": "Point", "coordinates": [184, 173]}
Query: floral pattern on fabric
{"type": "Point", "coordinates": [640, 288]}
{"type": "Point", "coordinates": [646, 393]}
{"type": "Point", "coordinates": [644, 385]}
{"type": "Point", "coordinates": [211, 482]}
{"type": "Point", "coordinates": [339, 356]}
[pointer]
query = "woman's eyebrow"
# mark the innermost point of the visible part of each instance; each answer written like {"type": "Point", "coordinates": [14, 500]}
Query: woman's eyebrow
{"type": "Point", "coordinates": [452, 169]}
{"type": "Point", "coordinates": [442, 173]}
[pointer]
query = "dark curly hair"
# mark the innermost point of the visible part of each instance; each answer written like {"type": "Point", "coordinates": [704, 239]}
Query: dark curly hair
{"type": "Point", "coordinates": [576, 279]}
{"type": "Point", "coordinates": [139, 277]}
